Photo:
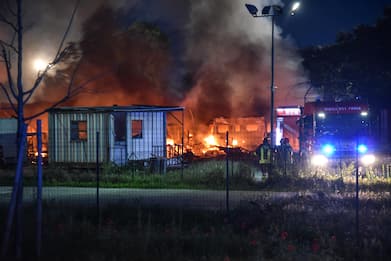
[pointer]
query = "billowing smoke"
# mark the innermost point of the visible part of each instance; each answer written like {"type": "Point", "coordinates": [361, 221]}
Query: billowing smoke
{"type": "Point", "coordinates": [45, 22]}
{"type": "Point", "coordinates": [210, 56]}
{"type": "Point", "coordinates": [232, 50]}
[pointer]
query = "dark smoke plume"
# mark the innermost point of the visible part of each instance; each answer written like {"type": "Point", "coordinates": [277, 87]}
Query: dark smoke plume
{"type": "Point", "coordinates": [210, 56]}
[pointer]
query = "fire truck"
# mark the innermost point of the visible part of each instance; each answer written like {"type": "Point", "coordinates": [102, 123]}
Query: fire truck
{"type": "Point", "coordinates": [335, 131]}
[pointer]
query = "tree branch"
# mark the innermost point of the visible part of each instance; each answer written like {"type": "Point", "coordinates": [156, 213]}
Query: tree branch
{"type": "Point", "coordinates": [9, 8]}
{"type": "Point", "coordinates": [58, 57]}
{"type": "Point", "coordinates": [71, 92]}
{"type": "Point", "coordinates": [59, 51]}
{"type": "Point", "coordinates": [5, 44]}
{"type": "Point", "coordinates": [8, 97]}
{"type": "Point", "coordinates": [42, 74]}
{"type": "Point", "coordinates": [37, 82]}
{"type": "Point", "coordinates": [9, 75]}
{"type": "Point", "coordinates": [4, 20]}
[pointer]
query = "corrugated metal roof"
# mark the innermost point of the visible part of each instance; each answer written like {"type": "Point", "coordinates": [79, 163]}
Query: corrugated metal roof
{"type": "Point", "coordinates": [131, 108]}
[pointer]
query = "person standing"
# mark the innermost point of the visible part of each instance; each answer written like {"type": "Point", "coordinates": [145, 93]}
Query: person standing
{"type": "Point", "coordinates": [264, 152]}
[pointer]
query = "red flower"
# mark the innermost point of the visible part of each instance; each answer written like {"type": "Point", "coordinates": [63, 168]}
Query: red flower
{"type": "Point", "coordinates": [315, 246]}
{"type": "Point", "coordinates": [284, 235]}
{"type": "Point", "coordinates": [291, 248]}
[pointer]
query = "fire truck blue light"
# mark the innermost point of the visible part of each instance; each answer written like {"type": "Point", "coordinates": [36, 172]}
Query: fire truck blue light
{"type": "Point", "coordinates": [328, 149]}
{"type": "Point", "coordinates": [321, 115]}
{"type": "Point", "coordinates": [362, 148]}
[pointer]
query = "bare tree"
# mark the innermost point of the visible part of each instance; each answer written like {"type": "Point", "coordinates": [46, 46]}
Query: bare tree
{"type": "Point", "coordinates": [18, 95]}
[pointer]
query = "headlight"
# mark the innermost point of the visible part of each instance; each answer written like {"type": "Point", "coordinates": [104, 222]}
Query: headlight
{"type": "Point", "coordinates": [328, 149]}
{"type": "Point", "coordinates": [319, 160]}
{"type": "Point", "coordinates": [368, 159]}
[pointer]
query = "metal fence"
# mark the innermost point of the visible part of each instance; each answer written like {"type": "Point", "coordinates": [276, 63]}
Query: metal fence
{"type": "Point", "coordinates": [104, 176]}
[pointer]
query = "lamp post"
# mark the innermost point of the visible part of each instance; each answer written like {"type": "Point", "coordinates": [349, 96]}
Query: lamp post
{"type": "Point", "coordinates": [271, 11]}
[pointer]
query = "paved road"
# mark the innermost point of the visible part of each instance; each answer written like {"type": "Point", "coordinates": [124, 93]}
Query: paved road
{"type": "Point", "coordinates": [176, 198]}
{"type": "Point", "coordinates": [186, 198]}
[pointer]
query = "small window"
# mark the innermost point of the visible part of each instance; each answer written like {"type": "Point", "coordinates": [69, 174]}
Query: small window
{"type": "Point", "coordinates": [78, 130]}
{"type": "Point", "coordinates": [137, 129]}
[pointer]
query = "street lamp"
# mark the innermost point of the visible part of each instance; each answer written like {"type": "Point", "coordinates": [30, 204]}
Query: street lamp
{"type": "Point", "coordinates": [271, 11]}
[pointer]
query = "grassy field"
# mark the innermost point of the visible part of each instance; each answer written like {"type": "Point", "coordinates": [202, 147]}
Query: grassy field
{"type": "Point", "coordinates": [210, 175]}
{"type": "Point", "coordinates": [306, 227]}
{"type": "Point", "coordinates": [303, 228]}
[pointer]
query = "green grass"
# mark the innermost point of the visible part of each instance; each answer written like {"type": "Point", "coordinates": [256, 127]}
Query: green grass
{"type": "Point", "coordinates": [202, 175]}
{"type": "Point", "coordinates": [210, 174]}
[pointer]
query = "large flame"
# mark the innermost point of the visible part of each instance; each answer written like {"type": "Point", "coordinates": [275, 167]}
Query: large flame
{"type": "Point", "coordinates": [210, 141]}
{"type": "Point", "coordinates": [170, 142]}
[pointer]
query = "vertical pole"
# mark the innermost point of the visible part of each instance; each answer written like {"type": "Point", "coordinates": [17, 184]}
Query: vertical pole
{"type": "Point", "coordinates": [232, 166]}
{"type": "Point", "coordinates": [272, 90]}
{"type": "Point", "coordinates": [13, 205]}
{"type": "Point", "coordinates": [227, 175]}
{"type": "Point", "coordinates": [19, 204]}
{"type": "Point", "coordinates": [16, 201]}
{"type": "Point", "coordinates": [97, 179]}
{"type": "Point", "coordinates": [39, 189]}
{"type": "Point", "coordinates": [357, 198]}
{"type": "Point", "coordinates": [183, 134]}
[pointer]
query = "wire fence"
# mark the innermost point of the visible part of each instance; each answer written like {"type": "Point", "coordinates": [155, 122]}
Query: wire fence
{"type": "Point", "coordinates": [100, 175]}
{"type": "Point", "coordinates": [156, 182]}
{"type": "Point", "coordinates": [224, 183]}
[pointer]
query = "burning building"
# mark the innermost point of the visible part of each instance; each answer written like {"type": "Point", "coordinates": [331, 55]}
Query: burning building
{"type": "Point", "coordinates": [243, 132]}
{"type": "Point", "coordinates": [179, 54]}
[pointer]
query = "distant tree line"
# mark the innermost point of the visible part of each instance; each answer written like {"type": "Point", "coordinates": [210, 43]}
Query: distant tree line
{"type": "Point", "coordinates": [357, 65]}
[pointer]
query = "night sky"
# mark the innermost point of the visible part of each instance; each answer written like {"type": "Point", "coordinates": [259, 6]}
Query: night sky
{"type": "Point", "coordinates": [318, 21]}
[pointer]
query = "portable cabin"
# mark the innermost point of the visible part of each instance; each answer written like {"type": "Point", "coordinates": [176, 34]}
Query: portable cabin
{"type": "Point", "coordinates": [117, 134]}
{"type": "Point", "coordinates": [8, 139]}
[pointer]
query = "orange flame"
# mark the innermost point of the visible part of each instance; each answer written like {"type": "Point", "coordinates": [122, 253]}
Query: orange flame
{"type": "Point", "coordinates": [210, 141]}
{"type": "Point", "coordinates": [170, 142]}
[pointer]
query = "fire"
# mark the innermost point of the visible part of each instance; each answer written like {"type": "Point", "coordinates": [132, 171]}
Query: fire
{"type": "Point", "coordinates": [170, 142]}
{"type": "Point", "coordinates": [234, 142]}
{"type": "Point", "coordinates": [210, 141]}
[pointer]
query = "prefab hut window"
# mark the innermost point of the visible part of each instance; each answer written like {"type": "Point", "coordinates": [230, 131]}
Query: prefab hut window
{"type": "Point", "coordinates": [137, 129]}
{"type": "Point", "coordinates": [78, 130]}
